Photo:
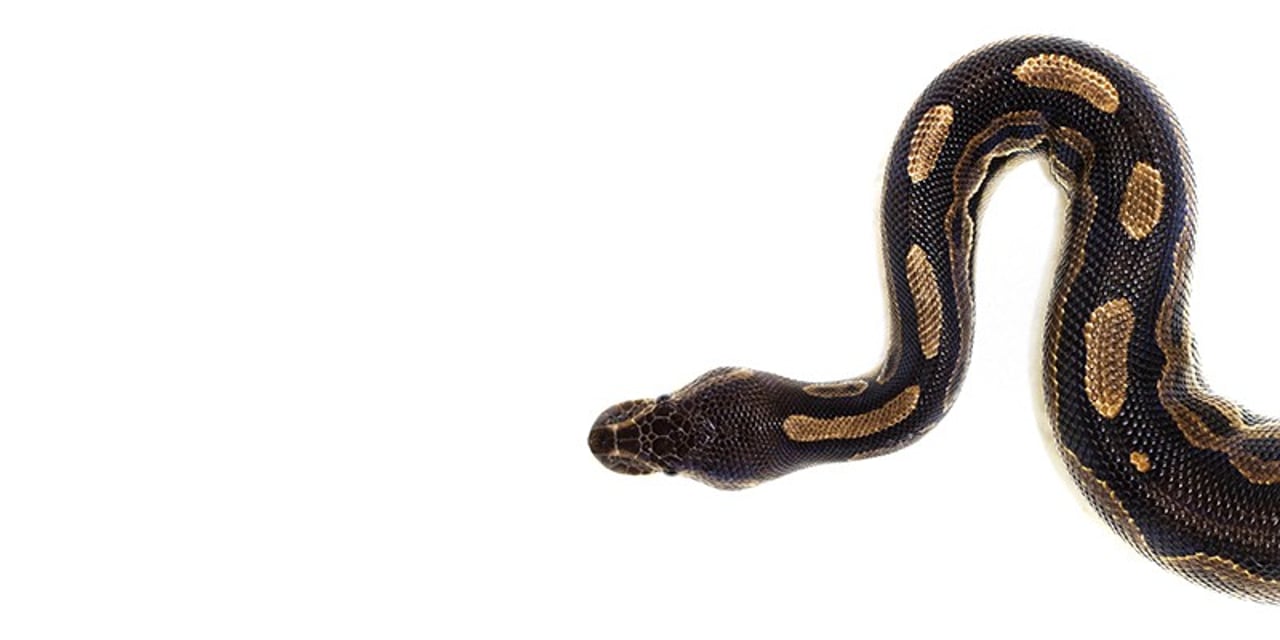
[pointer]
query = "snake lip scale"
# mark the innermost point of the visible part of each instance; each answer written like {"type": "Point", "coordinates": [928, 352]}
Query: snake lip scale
{"type": "Point", "coordinates": [1188, 478]}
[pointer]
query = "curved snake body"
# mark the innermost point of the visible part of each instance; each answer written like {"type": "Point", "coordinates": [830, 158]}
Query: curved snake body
{"type": "Point", "coordinates": [1188, 478]}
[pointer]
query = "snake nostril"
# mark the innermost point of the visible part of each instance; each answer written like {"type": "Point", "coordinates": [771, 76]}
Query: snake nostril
{"type": "Point", "coordinates": [601, 441]}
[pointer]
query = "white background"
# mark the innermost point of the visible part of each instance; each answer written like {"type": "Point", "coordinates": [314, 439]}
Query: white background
{"type": "Point", "coordinates": [307, 308]}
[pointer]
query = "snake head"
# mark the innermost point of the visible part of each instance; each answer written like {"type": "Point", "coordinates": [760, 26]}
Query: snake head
{"type": "Point", "coordinates": [715, 430]}
{"type": "Point", "coordinates": [639, 437]}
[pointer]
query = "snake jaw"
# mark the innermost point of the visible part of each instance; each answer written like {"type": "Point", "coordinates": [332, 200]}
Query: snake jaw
{"type": "Point", "coordinates": [628, 464]}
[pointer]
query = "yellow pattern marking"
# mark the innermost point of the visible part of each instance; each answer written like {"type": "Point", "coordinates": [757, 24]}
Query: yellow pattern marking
{"type": "Point", "coordinates": [1106, 356]}
{"type": "Point", "coordinates": [1140, 461]}
{"type": "Point", "coordinates": [844, 389]}
{"type": "Point", "coordinates": [968, 176]}
{"type": "Point", "coordinates": [926, 142]}
{"type": "Point", "coordinates": [1223, 574]}
{"type": "Point", "coordinates": [1179, 379]}
{"type": "Point", "coordinates": [1073, 252]}
{"type": "Point", "coordinates": [808, 429]}
{"type": "Point", "coordinates": [928, 300]}
{"type": "Point", "coordinates": [1105, 501]}
{"type": "Point", "coordinates": [1143, 200]}
{"type": "Point", "coordinates": [1062, 73]}
{"type": "Point", "coordinates": [1214, 571]}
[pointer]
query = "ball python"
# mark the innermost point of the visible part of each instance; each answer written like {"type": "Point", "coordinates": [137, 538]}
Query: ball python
{"type": "Point", "coordinates": [1188, 478]}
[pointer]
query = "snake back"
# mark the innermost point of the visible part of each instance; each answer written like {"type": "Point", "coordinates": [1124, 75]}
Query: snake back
{"type": "Point", "coordinates": [1188, 478]}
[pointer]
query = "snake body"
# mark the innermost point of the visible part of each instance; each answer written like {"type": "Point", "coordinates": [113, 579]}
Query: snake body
{"type": "Point", "coordinates": [1188, 478]}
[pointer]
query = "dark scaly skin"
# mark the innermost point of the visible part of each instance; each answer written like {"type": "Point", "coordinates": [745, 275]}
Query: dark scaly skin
{"type": "Point", "coordinates": [1187, 478]}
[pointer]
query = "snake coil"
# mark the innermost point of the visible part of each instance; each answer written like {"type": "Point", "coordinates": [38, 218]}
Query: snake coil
{"type": "Point", "coordinates": [1189, 479]}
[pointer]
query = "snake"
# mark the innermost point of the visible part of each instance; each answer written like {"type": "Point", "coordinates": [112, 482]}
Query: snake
{"type": "Point", "coordinates": [1188, 478]}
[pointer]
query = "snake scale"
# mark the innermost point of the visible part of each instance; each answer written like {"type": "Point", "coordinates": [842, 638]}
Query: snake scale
{"type": "Point", "coordinates": [1188, 478]}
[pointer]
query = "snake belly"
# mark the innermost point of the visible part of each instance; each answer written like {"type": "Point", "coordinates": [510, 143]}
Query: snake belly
{"type": "Point", "coordinates": [1188, 478]}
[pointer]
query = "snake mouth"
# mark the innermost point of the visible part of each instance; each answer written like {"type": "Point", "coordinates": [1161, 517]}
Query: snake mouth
{"type": "Point", "coordinates": [627, 464]}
